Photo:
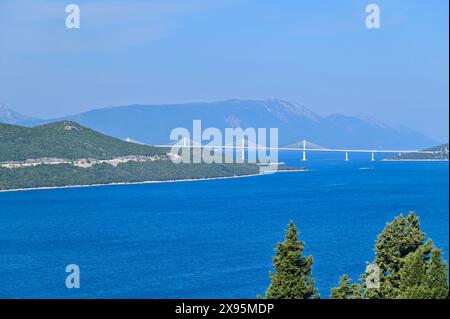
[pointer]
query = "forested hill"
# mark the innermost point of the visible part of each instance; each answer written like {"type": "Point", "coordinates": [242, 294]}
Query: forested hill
{"type": "Point", "coordinates": [64, 139]}
{"type": "Point", "coordinates": [67, 154]}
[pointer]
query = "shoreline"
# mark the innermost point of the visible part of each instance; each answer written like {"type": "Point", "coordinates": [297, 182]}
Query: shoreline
{"type": "Point", "coordinates": [143, 182]}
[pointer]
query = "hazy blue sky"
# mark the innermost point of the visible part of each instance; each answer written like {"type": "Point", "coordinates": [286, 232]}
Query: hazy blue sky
{"type": "Point", "coordinates": [318, 53]}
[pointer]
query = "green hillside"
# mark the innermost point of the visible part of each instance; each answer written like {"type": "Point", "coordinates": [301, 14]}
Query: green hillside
{"type": "Point", "coordinates": [67, 140]}
{"type": "Point", "coordinates": [132, 172]}
{"type": "Point", "coordinates": [71, 141]}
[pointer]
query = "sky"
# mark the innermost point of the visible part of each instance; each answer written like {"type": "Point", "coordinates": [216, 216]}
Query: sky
{"type": "Point", "coordinates": [317, 53]}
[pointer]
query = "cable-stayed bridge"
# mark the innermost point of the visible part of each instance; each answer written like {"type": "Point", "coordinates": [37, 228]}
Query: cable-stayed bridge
{"type": "Point", "coordinates": [303, 147]}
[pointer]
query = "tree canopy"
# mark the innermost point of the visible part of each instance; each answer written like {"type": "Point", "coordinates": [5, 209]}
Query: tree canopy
{"type": "Point", "coordinates": [292, 277]}
{"type": "Point", "coordinates": [408, 266]}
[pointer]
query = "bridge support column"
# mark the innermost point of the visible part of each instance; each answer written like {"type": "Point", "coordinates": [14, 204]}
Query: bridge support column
{"type": "Point", "coordinates": [373, 157]}
{"type": "Point", "coordinates": [346, 156]}
{"type": "Point", "coordinates": [304, 150]}
{"type": "Point", "coordinates": [243, 151]}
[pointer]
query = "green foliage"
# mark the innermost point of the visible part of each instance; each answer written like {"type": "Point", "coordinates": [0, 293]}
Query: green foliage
{"type": "Point", "coordinates": [424, 275]}
{"type": "Point", "coordinates": [292, 277]}
{"type": "Point", "coordinates": [399, 238]}
{"type": "Point", "coordinates": [65, 174]}
{"type": "Point", "coordinates": [409, 267]}
{"type": "Point", "coordinates": [67, 140]}
{"type": "Point", "coordinates": [347, 289]}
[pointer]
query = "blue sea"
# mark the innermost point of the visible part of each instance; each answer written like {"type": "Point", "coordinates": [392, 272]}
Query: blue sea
{"type": "Point", "coordinates": [211, 239]}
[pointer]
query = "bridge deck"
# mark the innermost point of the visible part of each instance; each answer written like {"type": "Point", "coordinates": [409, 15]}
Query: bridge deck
{"type": "Point", "coordinates": [300, 149]}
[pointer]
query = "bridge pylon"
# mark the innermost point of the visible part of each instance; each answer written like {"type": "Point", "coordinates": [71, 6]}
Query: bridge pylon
{"type": "Point", "coordinates": [243, 150]}
{"type": "Point", "coordinates": [304, 150]}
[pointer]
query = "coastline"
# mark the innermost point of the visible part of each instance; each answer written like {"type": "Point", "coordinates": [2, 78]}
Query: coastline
{"type": "Point", "coordinates": [141, 183]}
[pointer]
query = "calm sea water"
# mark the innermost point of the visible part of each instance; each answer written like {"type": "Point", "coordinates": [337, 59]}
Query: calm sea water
{"type": "Point", "coordinates": [211, 239]}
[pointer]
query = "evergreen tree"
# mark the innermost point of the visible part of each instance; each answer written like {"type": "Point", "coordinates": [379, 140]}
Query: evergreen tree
{"type": "Point", "coordinates": [347, 289]}
{"type": "Point", "coordinates": [292, 277]}
{"type": "Point", "coordinates": [399, 238]}
{"type": "Point", "coordinates": [424, 275]}
{"type": "Point", "coordinates": [408, 266]}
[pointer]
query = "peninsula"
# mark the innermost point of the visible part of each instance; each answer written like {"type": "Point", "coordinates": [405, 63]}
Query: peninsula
{"type": "Point", "coordinates": [65, 154]}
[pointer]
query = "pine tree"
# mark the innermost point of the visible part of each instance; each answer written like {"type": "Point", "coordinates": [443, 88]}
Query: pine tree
{"type": "Point", "coordinates": [424, 275]}
{"type": "Point", "coordinates": [408, 266]}
{"type": "Point", "coordinates": [399, 238]}
{"type": "Point", "coordinates": [292, 277]}
{"type": "Point", "coordinates": [347, 289]}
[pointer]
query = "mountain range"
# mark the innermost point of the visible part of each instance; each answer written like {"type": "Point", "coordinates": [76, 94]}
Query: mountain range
{"type": "Point", "coordinates": [152, 124]}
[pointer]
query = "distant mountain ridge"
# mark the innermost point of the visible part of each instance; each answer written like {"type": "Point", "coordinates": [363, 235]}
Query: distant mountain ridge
{"type": "Point", "coordinates": [152, 124]}
{"type": "Point", "coordinates": [9, 116]}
